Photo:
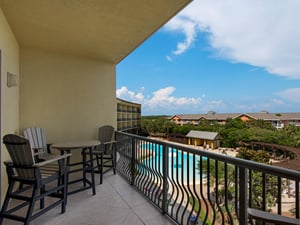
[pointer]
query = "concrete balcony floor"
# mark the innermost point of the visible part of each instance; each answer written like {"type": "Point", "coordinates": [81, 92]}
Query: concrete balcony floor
{"type": "Point", "coordinates": [115, 203]}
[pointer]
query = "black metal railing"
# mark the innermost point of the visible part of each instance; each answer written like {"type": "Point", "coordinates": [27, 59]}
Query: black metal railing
{"type": "Point", "coordinates": [194, 186]}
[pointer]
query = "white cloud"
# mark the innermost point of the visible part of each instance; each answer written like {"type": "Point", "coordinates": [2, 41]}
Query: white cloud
{"type": "Point", "coordinates": [123, 92]}
{"type": "Point", "coordinates": [291, 95]}
{"type": "Point", "coordinates": [188, 27]}
{"type": "Point", "coordinates": [162, 100]}
{"type": "Point", "coordinates": [260, 33]}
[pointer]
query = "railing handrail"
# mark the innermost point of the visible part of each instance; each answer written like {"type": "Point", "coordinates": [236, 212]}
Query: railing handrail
{"type": "Point", "coordinates": [224, 188]}
{"type": "Point", "coordinates": [271, 169]}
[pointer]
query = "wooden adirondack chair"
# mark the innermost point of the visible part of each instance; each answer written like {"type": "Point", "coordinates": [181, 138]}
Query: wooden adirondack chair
{"type": "Point", "coordinates": [39, 182]}
{"type": "Point", "coordinates": [105, 153]}
{"type": "Point", "coordinates": [38, 142]}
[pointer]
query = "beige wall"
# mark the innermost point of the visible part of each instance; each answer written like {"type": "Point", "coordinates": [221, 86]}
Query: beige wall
{"type": "Point", "coordinates": [9, 96]}
{"type": "Point", "coordinates": [68, 96]}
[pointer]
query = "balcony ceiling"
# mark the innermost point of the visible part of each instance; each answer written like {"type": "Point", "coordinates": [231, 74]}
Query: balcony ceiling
{"type": "Point", "coordinates": [101, 29]}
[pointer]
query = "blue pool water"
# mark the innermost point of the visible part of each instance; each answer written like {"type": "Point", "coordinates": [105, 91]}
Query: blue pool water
{"type": "Point", "coordinates": [180, 164]}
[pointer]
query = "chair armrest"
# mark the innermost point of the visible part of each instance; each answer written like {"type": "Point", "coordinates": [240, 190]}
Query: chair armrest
{"type": "Point", "coordinates": [37, 152]}
{"type": "Point", "coordinates": [12, 165]}
{"type": "Point", "coordinates": [8, 163]}
{"type": "Point", "coordinates": [104, 145]}
{"type": "Point", "coordinates": [108, 142]}
{"type": "Point", "coordinates": [54, 159]}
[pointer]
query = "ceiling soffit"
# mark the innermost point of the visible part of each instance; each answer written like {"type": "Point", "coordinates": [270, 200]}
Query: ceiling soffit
{"type": "Point", "coordinates": [102, 29]}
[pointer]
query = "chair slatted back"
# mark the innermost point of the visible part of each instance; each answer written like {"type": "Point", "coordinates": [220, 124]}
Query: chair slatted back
{"type": "Point", "coordinates": [20, 153]}
{"type": "Point", "coordinates": [37, 138]}
{"type": "Point", "coordinates": [106, 134]}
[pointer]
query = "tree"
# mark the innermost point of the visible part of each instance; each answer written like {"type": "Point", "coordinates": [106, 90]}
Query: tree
{"type": "Point", "coordinates": [184, 129]}
{"type": "Point", "coordinates": [260, 123]}
{"type": "Point", "coordinates": [222, 179]}
{"type": "Point", "coordinates": [220, 167]}
{"type": "Point", "coordinates": [167, 127]}
{"type": "Point", "coordinates": [257, 156]}
{"type": "Point", "coordinates": [257, 180]}
{"type": "Point", "coordinates": [153, 126]}
{"type": "Point", "coordinates": [235, 123]}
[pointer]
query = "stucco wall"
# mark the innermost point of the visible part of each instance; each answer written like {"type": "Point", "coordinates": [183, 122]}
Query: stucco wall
{"type": "Point", "coordinates": [68, 96]}
{"type": "Point", "coordinates": [9, 96]}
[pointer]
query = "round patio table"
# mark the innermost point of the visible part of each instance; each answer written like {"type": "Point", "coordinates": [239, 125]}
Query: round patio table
{"type": "Point", "coordinates": [85, 165]}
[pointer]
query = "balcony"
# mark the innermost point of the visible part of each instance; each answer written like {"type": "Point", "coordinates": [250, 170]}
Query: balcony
{"type": "Point", "coordinates": [116, 203]}
{"type": "Point", "coordinates": [162, 183]}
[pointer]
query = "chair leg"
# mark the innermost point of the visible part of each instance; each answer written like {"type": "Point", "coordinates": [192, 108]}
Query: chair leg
{"type": "Point", "coordinates": [64, 191]}
{"type": "Point", "coordinates": [31, 204]}
{"type": "Point", "coordinates": [98, 161]}
{"type": "Point", "coordinates": [6, 200]}
{"type": "Point", "coordinates": [101, 168]}
{"type": "Point", "coordinates": [42, 201]}
{"type": "Point", "coordinates": [113, 162]}
{"type": "Point", "coordinates": [21, 185]}
{"type": "Point", "coordinates": [84, 165]}
{"type": "Point", "coordinates": [92, 168]}
{"type": "Point", "coordinates": [66, 185]}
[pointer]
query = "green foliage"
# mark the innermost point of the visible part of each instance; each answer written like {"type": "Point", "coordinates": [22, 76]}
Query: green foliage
{"type": "Point", "coordinates": [260, 124]}
{"type": "Point", "coordinates": [257, 179]}
{"type": "Point", "coordinates": [215, 127]}
{"type": "Point", "coordinates": [257, 156]}
{"type": "Point", "coordinates": [183, 129]}
{"type": "Point", "coordinates": [233, 137]}
{"type": "Point", "coordinates": [257, 190]}
{"type": "Point", "coordinates": [155, 117]}
{"type": "Point", "coordinates": [235, 133]}
{"type": "Point", "coordinates": [235, 123]}
{"type": "Point", "coordinates": [217, 171]}
{"type": "Point", "coordinates": [159, 125]}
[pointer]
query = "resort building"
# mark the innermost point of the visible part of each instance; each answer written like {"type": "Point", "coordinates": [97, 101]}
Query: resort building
{"type": "Point", "coordinates": [204, 138]}
{"type": "Point", "coordinates": [278, 120]}
{"type": "Point", "coordinates": [128, 116]}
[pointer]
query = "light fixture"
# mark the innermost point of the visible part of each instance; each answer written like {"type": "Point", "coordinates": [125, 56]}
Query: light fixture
{"type": "Point", "coordinates": [11, 80]}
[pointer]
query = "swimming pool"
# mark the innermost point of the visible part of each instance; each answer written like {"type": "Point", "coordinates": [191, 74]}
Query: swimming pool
{"type": "Point", "coordinates": [182, 166]}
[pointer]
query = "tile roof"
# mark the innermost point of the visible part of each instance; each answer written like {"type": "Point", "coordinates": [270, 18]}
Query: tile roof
{"type": "Point", "coordinates": [224, 116]}
{"type": "Point", "coordinates": [276, 116]}
{"type": "Point", "coordinates": [203, 135]}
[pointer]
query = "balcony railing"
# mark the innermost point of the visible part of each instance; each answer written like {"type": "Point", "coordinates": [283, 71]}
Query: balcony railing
{"type": "Point", "coordinates": [194, 186]}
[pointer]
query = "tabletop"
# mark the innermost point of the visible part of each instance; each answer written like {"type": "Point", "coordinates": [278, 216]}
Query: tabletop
{"type": "Point", "coordinates": [64, 147]}
{"type": "Point", "coordinates": [75, 144]}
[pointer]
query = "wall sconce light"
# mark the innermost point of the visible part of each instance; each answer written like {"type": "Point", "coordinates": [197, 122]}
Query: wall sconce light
{"type": "Point", "coordinates": [11, 80]}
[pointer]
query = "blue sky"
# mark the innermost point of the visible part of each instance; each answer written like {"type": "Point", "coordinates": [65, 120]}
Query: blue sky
{"type": "Point", "coordinates": [225, 56]}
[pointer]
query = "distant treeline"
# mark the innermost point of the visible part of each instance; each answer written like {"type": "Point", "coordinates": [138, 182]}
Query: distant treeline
{"type": "Point", "coordinates": [234, 132]}
{"type": "Point", "coordinates": [155, 117]}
